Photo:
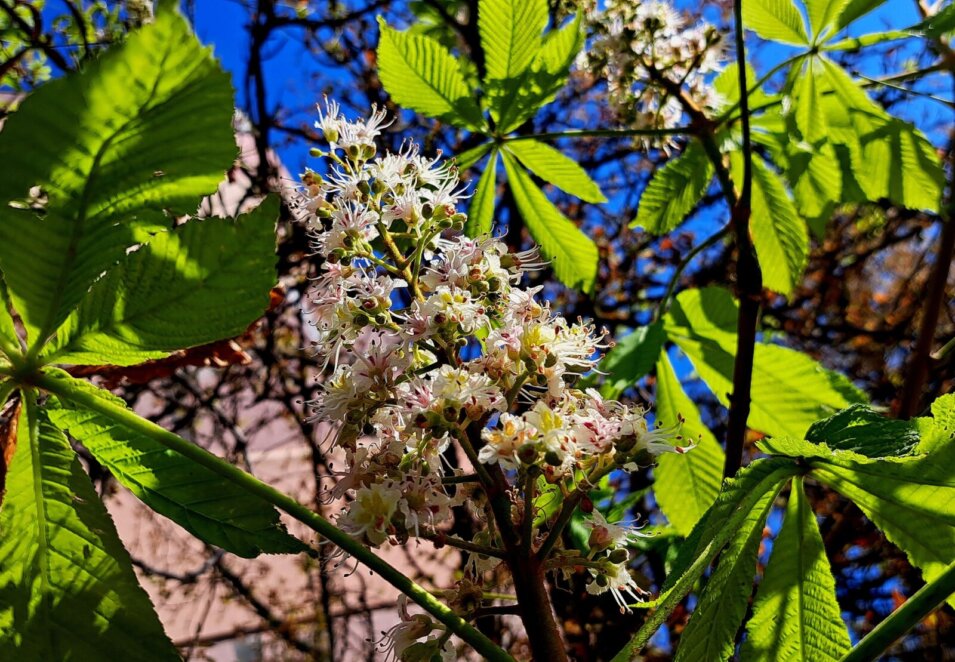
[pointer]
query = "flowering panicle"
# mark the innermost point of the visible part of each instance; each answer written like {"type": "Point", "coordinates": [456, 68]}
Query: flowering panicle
{"type": "Point", "coordinates": [647, 52]}
{"type": "Point", "coordinates": [433, 342]}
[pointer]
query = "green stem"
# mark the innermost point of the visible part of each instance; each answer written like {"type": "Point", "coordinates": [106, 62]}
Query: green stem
{"type": "Point", "coordinates": [600, 133]}
{"type": "Point", "coordinates": [906, 617]}
{"type": "Point", "coordinates": [282, 501]}
{"type": "Point", "coordinates": [855, 43]}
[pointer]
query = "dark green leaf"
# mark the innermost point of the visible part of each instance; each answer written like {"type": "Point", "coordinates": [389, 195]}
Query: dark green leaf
{"type": "Point", "coordinates": [67, 587]}
{"type": "Point", "coordinates": [205, 281]}
{"type": "Point", "coordinates": [939, 25]}
{"type": "Point", "coordinates": [144, 128]}
{"type": "Point", "coordinates": [856, 9]}
{"type": "Point", "coordinates": [865, 431]}
{"type": "Point", "coordinates": [215, 510]}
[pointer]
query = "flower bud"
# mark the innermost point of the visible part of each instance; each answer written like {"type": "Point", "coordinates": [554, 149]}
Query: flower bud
{"type": "Point", "coordinates": [527, 453]}
{"type": "Point", "coordinates": [619, 556]}
{"type": "Point", "coordinates": [553, 458]}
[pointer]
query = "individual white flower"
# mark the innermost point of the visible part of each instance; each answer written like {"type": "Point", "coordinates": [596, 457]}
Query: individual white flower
{"type": "Point", "coordinates": [615, 578]}
{"type": "Point", "coordinates": [503, 443]}
{"type": "Point", "coordinates": [604, 535]}
{"type": "Point", "coordinates": [369, 515]}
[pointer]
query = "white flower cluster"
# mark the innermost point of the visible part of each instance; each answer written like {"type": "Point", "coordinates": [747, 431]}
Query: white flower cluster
{"type": "Point", "coordinates": [639, 45]}
{"type": "Point", "coordinates": [433, 342]}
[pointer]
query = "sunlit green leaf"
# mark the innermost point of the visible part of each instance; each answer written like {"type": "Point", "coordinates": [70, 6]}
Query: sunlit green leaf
{"type": "Point", "coordinates": [205, 281]}
{"type": "Point", "coordinates": [790, 390]}
{"type": "Point", "coordinates": [420, 74]}
{"type": "Point", "coordinates": [144, 128]}
{"type": "Point", "coordinates": [631, 358]}
{"type": "Point", "coordinates": [553, 166]}
{"type": "Point", "coordinates": [739, 497]}
{"type": "Point", "coordinates": [67, 587]}
{"type": "Point", "coordinates": [685, 484]}
{"type": "Point", "coordinates": [776, 20]}
{"type": "Point", "coordinates": [795, 614]}
{"type": "Point", "coordinates": [711, 632]}
{"type": "Point", "coordinates": [674, 190]}
{"type": "Point", "coordinates": [780, 236]}
{"type": "Point", "coordinates": [511, 39]}
{"type": "Point", "coordinates": [481, 212]}
{"type": "Point", "coordinates": [573, 255]}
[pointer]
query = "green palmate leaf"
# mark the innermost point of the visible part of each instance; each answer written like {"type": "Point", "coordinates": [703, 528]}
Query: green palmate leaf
{"type": "Point", "coordinates": [7, 328]}
{"type": "Point", "coordinates": [510, 35]}
{"type": "Point", "coordinates": [572, 254]}
{"type": "Point", "coordinates": [552, 166]}
{"type": "Point", "coordinates": [939, 25]}
{"type": "Point", "coordinates": [889, 158]}
{"type": "Point", "coordinates": [816, 182]}
{"type": "Point", "coordinates": [740, 496]}
{"type": "Point", "coordinates": [865, 431]}
{"type": "Point", "coordinates": [711, 633]}
{"type": "Point", "coordinates": [674, 191]}
{"type": "Point", "coordinates": [776, 20]}
{"type": "Point", "coordinates": [823, 14]}
{"type": "Point", "coordinates": [511, 39]}
{"type": "Point", "coordinates": [808, 109]}
{"type": "Point", "coordinates": [791, 391]}
{"type": "Point", "coordinates": [481, 213]}
{"type": "Point", "coordinates": [779, 234]}
{"type": "Point", "coordinates": [539, 84]}
{"type": "Point", "coordinates": [472, 156]}
{"type": "Point", "coordinates": [685, 484]}
{"type": "Point", "coordinates": [217, 511]}
{"type": "Point", "coordinates": [940, 428]}
{"type": "Point", "coordinates": [855, 9]}
{"type": "Point", "coordinates": [206, 280]}
{"type": "Point", "coordinates": [561, 46]}
{"type": "Point", "coordinates": [631, 358]}
{"type": "Point", "coordinates": [144, 128]}
{"type": "Point", "coordinates": [904, 496]}
{"type": "Point", "coordinates": [67, 587]}
{"type": "Point", "coordinates": [419, 73]}
{"type": "Point", "coordinates": [795, 614]}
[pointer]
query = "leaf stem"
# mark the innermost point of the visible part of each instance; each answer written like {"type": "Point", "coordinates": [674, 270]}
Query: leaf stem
{"type": "Point", "coordinates": [601, 133]}
{"type": "Point", "coordinates": [284, 502]}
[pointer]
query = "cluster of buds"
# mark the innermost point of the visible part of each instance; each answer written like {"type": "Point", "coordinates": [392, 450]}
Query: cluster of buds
{"type": "Point", "coordinates": [650, 57]}
{"type": "Point", "coordinates": [433, 343]}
